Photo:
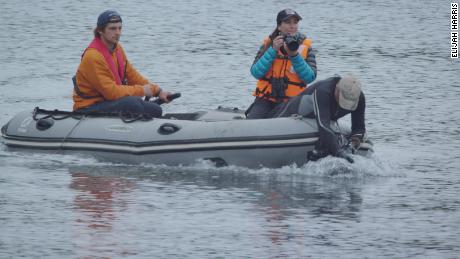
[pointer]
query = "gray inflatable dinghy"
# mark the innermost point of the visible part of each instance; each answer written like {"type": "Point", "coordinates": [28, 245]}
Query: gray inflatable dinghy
{"type": "Point", "coordinates": [222, 136]}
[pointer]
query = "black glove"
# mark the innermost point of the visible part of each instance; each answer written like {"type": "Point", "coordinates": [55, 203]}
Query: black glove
{"type": "Point", "coordinates": [345, 156]}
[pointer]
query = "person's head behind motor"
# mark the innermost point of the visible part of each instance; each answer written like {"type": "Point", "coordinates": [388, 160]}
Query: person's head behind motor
{"type": "Point", "coordinates": [349, 90]}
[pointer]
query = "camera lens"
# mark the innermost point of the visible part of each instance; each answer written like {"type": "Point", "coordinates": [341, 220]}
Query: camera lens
{"type": "Point", "coordinates": [292, 43]}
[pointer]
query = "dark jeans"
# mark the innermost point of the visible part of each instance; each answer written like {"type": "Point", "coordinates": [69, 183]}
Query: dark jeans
{"type": "Point", "coordinates": [128, 104]}
{"type": "Point", "coordinates": [262, 109]}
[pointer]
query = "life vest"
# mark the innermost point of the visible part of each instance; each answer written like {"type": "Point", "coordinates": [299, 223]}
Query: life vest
{"type": "Point", "coordinates": [119, 75]}
{"type": "Point", "coordinates": [282, 73]}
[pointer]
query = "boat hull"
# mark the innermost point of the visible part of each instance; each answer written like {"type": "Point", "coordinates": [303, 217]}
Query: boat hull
{"type": "Point", "coordinates": [220, 136]}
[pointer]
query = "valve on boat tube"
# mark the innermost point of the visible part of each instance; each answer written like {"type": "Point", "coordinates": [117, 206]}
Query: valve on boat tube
{"type": "Point", "coordinates": [168, 128]}
{"type": "Point", "coordinates": [44, 123]}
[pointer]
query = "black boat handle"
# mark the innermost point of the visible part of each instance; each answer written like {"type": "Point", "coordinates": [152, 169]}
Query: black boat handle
{"type": "Point", "coordinates": [159, 101]}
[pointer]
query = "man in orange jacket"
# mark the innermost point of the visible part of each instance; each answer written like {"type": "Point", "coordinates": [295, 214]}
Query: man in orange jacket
{"type": "Point", "coordinates": [106, 81]}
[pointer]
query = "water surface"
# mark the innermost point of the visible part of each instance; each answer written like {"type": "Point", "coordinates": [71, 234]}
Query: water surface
{"type": "Point", "coordinates": [401, 203]}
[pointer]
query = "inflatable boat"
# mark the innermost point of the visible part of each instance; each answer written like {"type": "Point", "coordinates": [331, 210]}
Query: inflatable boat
{"type": "Point", "coordinates": [223, 136]}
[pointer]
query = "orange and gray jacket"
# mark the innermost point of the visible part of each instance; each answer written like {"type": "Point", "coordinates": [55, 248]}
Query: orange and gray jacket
{"type": "Point", "coordinates": [95, 81]}
{"type": "Point", "coordinates": [281, 76]}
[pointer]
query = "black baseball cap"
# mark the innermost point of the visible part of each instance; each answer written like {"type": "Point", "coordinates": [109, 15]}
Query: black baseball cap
{"type": "Point", "coordinates": [108, 16]}
{"type": "Point", "coordinates": [286, 14]}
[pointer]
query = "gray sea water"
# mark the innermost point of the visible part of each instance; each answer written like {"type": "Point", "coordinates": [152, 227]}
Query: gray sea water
{"type": "Point", "coordinates": [401, 203]}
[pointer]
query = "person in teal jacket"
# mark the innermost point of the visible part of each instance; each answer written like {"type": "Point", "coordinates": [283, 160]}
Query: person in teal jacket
{"type": "Point", "coordinates": [284, 65]}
